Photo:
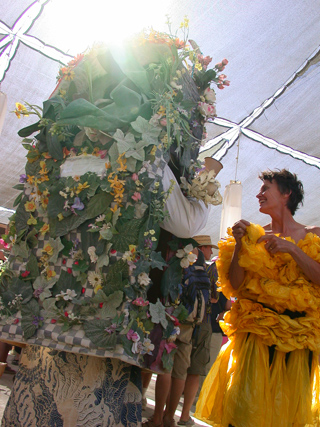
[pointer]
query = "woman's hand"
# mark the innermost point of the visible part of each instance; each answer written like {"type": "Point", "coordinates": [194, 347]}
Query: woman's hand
{"type": "Point", "coordinates": [239, 229]}
{"type": "Point", "coordinates": [275, 244]}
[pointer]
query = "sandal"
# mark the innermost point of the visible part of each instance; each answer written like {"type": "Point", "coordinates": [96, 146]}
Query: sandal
{"type": "Point", "coordinates": [189, 422]}
{"type": "Point", "coordinates": [150, 423]}
{"type": "Point", "coordinates": [169, 423]}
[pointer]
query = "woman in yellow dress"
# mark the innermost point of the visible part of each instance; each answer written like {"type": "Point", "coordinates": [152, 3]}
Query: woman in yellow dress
{"type": "Point", "coordinates": [267, 375]}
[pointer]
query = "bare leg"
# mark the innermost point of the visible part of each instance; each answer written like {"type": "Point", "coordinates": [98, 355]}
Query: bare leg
{"type": "Point", "coordinates": [162, 390]}
{"type": "Point", "coordinates": [177, 386]}
{"type": "Point", "coordinates": [190, 391]}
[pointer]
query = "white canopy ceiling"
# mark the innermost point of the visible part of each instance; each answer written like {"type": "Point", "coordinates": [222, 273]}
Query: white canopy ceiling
{"type": "Point", "coordinates": [270, 109]}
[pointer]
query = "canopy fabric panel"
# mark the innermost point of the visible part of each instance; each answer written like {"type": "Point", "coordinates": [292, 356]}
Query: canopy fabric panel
{"type": "Point", "coordinates": [271, 104]}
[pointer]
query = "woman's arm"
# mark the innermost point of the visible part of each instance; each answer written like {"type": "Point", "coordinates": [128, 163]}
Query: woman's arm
{"type": "Point", "coordinates": [236, 273]}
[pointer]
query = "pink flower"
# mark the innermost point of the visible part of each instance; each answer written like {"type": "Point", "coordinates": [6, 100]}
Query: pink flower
{"type": "Point", "coordinates": [136, 196]}
{"type": "Point", "coordinates": [4, 244]}
{"type": "Point", "coordinates": [224, 61]}
{"type": "Point", "coordinates": [135, 176]}
{"type": "Point", "coordinates": [169, 347]}
{"type": "Point", "coordinates": [133, 336]}
{"type": "Point", "coordinates": [226, 82]}
{"type": "Point", "coordinates": [207, 110]}
{"type": "Point", "coordinates": [140, 302]}
{"type": "Point", "coordinates": [220, 86]}
{"type": "Point", "coordinates": [103, 153]}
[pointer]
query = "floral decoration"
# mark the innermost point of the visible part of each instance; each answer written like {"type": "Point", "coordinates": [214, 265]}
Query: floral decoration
{"type": "Point", "coordinates": [128, 110]}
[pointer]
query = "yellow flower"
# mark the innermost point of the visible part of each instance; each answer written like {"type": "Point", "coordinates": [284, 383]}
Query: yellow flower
{"type": "Point", "coordinates": [50, 273]}
{"type": "Point", "coordinates": [60, 216]}
{"type": "Point", "coordinates": [162, 111]}
{"type": "Point", "coordinates": [43, 170]}
{"type": "Point", "coordinates": [97, 288]}
{"type": "Point", "coordinates": [185, 23]}
{"type": "Point", "coordinates": [82, 187]}
{"type": "Point", "coordinates": [48, 249]}
{"type": "Point", "coordinates": [20, 109]}
{"type": "Point", "coordinates": [198, 66]}
{"type": "Point", "coordinates": [44, 229]}
{"type": "Point", "coordinates": [153, 151]}
{"type": "Point", "coordinates": [32, 221]}
{"type": "Point", "coordinates": [108, 165]}
{"type": "Point", "coordinates": [30, 179]}
{"type": "Point", "coordinates": [30, 206]}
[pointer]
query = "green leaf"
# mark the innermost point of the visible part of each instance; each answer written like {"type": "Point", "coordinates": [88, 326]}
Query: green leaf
{"type": "Point", "coordinates": [17, 200]}
{"type": "Point", "coordinates": [81, 266]}
{"type": "Point", "coordinates": [116, 275]}
{"type": "Point", "coordinates": [128, 235]}
{"type": "Point", "coordinates": [82, 113]}
{"type": "Point", "coordinates": [171, 278]}
{"type": "Point", "coordinates": [95, 331]}
{"type": "Point", "coordinates": [19, 187]}
{"type": "Point", "coordinates": [22, 216]}
{"type": "Point", "coordinates": [50, 310]}
{"type": "Point", "coordinates": [109, 308]}
{"type": "Point", "coordinates": [32, 266]}
{"type": "Point", "coordinates": [57, 248]}
{"type": "Point", "coordinates": [28, 313]}
{"type": "Point", "coordinates": [98, 204]}
{"type": "Point", "coordinates": [21, 249]}
{"type": "Point", "coordinates": [158, 314]}
{"type": "Point", "coordinates": [27, 131]}
{"type": "Point", "coordinates": [68, 245]}
{"type": "Point", "coordinates": [157, 261]}
{"type": "Point", "coordinates": [54, 146]}
{"type": "Point", "coordinates": [149, 132]}
{"type": "Point", "coordinates": [55, 205]}
{"type": "Point", "coordinates": [66, 281]}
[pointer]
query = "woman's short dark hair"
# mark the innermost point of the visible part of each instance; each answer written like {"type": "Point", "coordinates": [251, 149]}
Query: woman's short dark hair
{"type": "Point", "coordinates": [287, 183]}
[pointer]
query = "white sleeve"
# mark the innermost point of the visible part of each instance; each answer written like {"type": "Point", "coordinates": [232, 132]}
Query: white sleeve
{"type": "Point", "coordinates": [187, 217]}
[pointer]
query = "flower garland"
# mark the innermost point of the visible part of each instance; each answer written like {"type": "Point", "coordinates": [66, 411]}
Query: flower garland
{"type": "Point", "coordinates": [124, 119]}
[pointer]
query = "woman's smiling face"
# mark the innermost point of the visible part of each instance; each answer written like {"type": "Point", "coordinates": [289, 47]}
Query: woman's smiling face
{"type": "Point", "coordinates": [270, 197]}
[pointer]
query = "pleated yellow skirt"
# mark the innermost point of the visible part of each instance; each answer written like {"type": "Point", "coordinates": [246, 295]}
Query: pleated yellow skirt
{"type": "Point", "coordinates": [244, 389]}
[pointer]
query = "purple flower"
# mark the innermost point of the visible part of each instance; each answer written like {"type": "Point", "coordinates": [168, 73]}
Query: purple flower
{"type": "Point", "coordinates": [37, 320]}
{"type": "Point", "coordinates": [23, 178]}
{"type": "Point", "coordinates": [148, 243]}
{"type": "Point", "coordinates": [78, 204]}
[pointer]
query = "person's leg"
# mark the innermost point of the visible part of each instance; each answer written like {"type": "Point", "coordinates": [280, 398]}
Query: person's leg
{"type": "Point", "coordinates": [146, 378]}
{"type": "Point", "coordinates": [177, 387]}
{"type": "Point", "coordinates": [163, 384]}
{"type": "Point", "coordinates": [190, 391]}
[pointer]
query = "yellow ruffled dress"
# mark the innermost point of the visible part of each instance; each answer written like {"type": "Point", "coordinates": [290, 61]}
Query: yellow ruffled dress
{"type": "Point", "coordinates": [267, 375]}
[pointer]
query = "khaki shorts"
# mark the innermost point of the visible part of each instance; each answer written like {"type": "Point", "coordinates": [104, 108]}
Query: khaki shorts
{"type": "Point", "coordinates": [182, 357]}
{"type": "Point", "coordinates": [200, 355]}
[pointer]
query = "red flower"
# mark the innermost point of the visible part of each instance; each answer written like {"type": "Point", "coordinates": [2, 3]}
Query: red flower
{"type": "Point", "coordinates": [53, 321]}
{"type": "Point", "coordinates": [64, 261]}
{"type": "Point", "coordinates": [66, 313]}
{"type": "Point", "coordinates": [113, 251]}
{"type": "Point", "coordinates": [101, 304]}
{"type": "Point", "coordinates": [83, 290]}
{"type": "Point", "coordinates": [16, 321]}
{"type": "Point", "coordinates": [76, 262]}
{"type": "Point", "coordinates": [25, 274]}
{"type": "Point", "coordinates": [69, 270]}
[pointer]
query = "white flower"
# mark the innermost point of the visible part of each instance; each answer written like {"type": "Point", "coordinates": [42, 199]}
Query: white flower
{"type": "Point", "coordinates": [210, 95]}
{"type": "Point", "coordinates": [94, 278]}
{"type": "Point", "coordinates": [207, 110]}
{"type": "Point", "coordinates": [100, 218]}
{"type": "Point", "coordinates": [184, 263]}
{"type": "Point", "coordinates": [92, 254]}
{"type": "Point", "coordinates": [144, 279]}
{"type": "Point", "coordinates": [71, 316]}
{"type": "Point", "coordinates": [63, 194]}
{"type": "Point", "coordinates": [127, 256]}
{"type": "Point", "coordinates": [67, 296]}
{"type": "Point", "coordinates": [148, 347]}
{"type": "Point", "coordinates": [191, 258]}
{"type": "Point", "coordinates": [188, 248]}
{"type": "Point", "coordinates": [180, 253]}
{"type": "Point", "coordinates": [136, 347]}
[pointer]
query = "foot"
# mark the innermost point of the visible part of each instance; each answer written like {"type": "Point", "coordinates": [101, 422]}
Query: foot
{"type": "Point", "coordinates": [189, 422]}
